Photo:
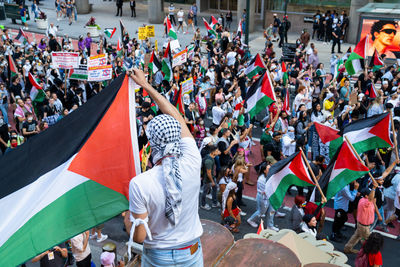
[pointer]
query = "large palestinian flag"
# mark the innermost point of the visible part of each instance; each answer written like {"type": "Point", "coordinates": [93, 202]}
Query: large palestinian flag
{"type": "Point", "coordinates": [370, 133]}
{"type": "Point", "coordinates": [260, 94]}
{"type": "Point", "coordinates": [289, 171]}
{"type": "Point", "coordinates": [170, 29]}
{"type": "Point", "coordinates": [342, 170]}
{"type": "Point", "coordinates": [355, 62]}
{"type": "Point", "coordinates": [255, 66]}
{"type": "Point", "coordinates": [330, 137]}
{"type": "Point", "coordinates": [209, 29]}
{"type": "Point", "coordinates": [71, 177]}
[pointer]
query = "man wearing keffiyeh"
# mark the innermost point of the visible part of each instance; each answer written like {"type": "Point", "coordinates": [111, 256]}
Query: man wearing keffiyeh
{"type": "Point", "coordinates": [163, 201]}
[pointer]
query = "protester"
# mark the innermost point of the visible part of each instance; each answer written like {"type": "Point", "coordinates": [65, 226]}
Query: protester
{"type": "Point", "coordinates": [81, 249]}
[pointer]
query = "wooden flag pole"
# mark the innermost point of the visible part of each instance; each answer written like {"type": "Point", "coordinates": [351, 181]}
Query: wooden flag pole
{"type": "Point", "coordinates": [396, 150]}
{"type": "Point", "coordinates": [359, 158]}
{"type": "Point", "coordinates": [323, 198]}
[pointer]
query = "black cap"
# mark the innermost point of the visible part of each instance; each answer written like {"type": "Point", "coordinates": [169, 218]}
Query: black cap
{"type": "Point", "coordinates": [365, 191]}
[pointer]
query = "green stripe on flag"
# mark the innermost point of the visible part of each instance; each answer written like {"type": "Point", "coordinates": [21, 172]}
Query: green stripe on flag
{"type": "Point", "coordinates": [334, 145]}
{"type": "Point", "coordinates": [83, 207]}
{"type": "Point", "coordinates": [341, 180]}
{"type": "Point", "coordinates": [369, 144]}
{"type": "Point", "coordinates": [261, 104]}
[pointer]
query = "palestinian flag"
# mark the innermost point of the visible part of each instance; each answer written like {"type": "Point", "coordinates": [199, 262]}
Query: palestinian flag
{"type": "Point", "coordinates": [330, 137]}
{"type": "Point", "coordinates": [78, 182]}
{"type": "Point", "coordinates": [122, 29]}
{"type": "Point", "coordinates": [154, 64]}
{"type": "Point", "coordinates": [255, 66]}
{"type": "Point", "coordinates": [12, 66]}
{"type": "Point", "coordinates": [109, 32]}
{"type": "Point", "coordinates": [260, 95]}
{"type": "Point", "coordinates": [376, 61]}
{"type": "Point", "coordinates": [369, 133]}
{"type": "Point", "coordinates": [286, 102]}
{"type": "Point", "coordinates": [371, 91]}
{"type": "Point", "coordinates": [21, 37]}
{"type": "Point", "coordinates": [338, 69]}
{"type": "Point", "coordinates": [177, 101]}
{"type": "Point", "coordinates": [170, 30]}
{"type": "Point", "coordinates": [355, 62]}
{"type": "Point", "coordinates": [37, 93]}
{"type": "Point", "coordinates": [210, 30]}
{"type": "Point", "coordinates": [166, 67]}
{"type": "Point", "coordinates": [285, 76]}
{"type": "Point", "coordinates": [260, 227]}
{"type": "Point", "coordinates": [342, 170]}
{"type": "Point", "coordinates": [214, 22]}
{"type": "Point", "coordinates": [240, 31]}
{"type": "Point", "coordinates": [289, 171]}
{"type": "Point", "coordinates": [347, 54]}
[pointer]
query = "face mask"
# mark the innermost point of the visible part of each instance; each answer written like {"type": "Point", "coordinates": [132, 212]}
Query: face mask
{"type": "Point", "coordinates": [212, 70]}
{"type": "Point", "coordinates": [14, 144]}
{"type": "Point", "coordinates": [28, 101]}
{"type": "Point", "coordinates": [13, 136]}
{"type": "Point", "coordinates": [330, 121]}
{"type": "Point", "coordinates": [30, 119]}
{"type": "Point", "coordinates": [202, 123]}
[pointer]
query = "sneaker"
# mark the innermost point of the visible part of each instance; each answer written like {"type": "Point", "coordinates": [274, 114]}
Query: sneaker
{"type": "Point", "coordinates": [242, 213]}
{"type": "Point", "coordinates": [276, 229]}
{"type": "Point", "coordinates": [217, 205]}
{"type": "Point", "coordinates": [209, 196]}
{"type": "Point", "coordinates": [205, 207]}
{"type": "Point", "coordinates": [252, 224]}
{"type": "Point", "coordinates": [102, 238]}
{"type": "Point", "coordinates": [280, 214]}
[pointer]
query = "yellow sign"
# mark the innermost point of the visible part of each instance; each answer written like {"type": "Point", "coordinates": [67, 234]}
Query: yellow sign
{"type": "Point", "coordinates": [156, 45]}
{"type": "Point", "coordinates": [150, 31]}
{"type": "Point", "coordinates": [142, 33]}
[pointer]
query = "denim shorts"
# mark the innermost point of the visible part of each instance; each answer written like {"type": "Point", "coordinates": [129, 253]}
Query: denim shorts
{"type": "Point", "coordinates": [173, 257]}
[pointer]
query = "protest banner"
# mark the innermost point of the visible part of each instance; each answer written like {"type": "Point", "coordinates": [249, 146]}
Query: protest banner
{"type": "Point", "coordinates": [65, 60]}
{"type": "Point", "coordinates": [142, 33]}
{"type": "Point", "coordinates": [98, 60]}
{"type": "Point", "coordinates": [187, 86]}
{"type": "Point", "coordinates": [175, 45]}
{"type": "Point", "coordinates": [150, 31]}
{"type": "Point", "coordinates": [179, 58]}
{"type": "Point", "coordinates": [99, 73]}
{"type": "Point", "coordinates": [80, 73]}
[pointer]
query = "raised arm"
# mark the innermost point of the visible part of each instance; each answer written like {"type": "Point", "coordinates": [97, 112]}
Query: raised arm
{"type": "Point", "coordinates": [165, 106]}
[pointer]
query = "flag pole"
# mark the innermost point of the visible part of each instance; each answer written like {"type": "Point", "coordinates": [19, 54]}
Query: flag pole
{"type": "Point", "coordinates": [394, 137]}
{"type": "Point", "coordinates": [359, 158]}
{"type": "Point", "coordinates": [323, 198]}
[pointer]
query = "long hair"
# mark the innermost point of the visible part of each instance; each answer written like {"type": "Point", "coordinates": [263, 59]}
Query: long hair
{"type": "Point", "coordinates": [373, 244]}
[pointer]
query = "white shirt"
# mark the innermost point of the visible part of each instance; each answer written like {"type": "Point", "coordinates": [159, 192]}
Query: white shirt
{"type": "Point", "coordinates": [180, 15]}
{"type": "Point", "coordinates": [217, 115]}
{"type": "Point", "coordinates": [396, 199]}
{"type": "Point", "coordinates": [288, 148]}
{"type": "Point", "coordinates": [299, 99]}
{"type": "Point", "coordinates": [52, 30]}
{"type": "Point", "coordinates": [147, 194]}
{"type": "Point", "coordinates": [231, 58]}
{"type": "Point", "coordinates": [77, 247]}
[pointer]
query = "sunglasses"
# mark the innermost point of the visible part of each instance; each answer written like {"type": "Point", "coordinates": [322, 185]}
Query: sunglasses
{"type": "Point", "coordinates": [389, 31]}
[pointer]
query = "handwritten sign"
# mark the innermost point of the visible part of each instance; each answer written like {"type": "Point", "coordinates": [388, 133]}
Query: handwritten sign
{"type": "Point", "coordinates": [179, 58]}
{"type": "Point", "coordinates": [99, 73]}
{"type": "Point", "coordinates": [98, 60]}
{"type": "Point", "coordinates": [187, 86]}
{"type": "Point", "coordinates": [150, 31]}
{"type": "Point", "coordinates": [142, 33]}
{"type": "Point", "coordinates": [65, 60]}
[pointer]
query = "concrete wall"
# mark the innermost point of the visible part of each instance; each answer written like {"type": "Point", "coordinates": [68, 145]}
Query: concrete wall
{"type": "Point", "coordinates": [82, 6]}
{"type": "Point", "coordinates": [355, 19]}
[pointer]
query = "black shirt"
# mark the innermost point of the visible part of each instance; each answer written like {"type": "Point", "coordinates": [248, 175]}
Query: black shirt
{"type": "Point", "coordinates": [275, 149]}
{"type": "Point", "coordinates": [53, 260]}
{"type": "Point", "coordinates": [16, 89]}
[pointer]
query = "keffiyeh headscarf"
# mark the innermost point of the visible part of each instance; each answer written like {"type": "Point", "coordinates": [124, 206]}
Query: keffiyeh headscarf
{"type": "Point", "coordinates": [164, 134]}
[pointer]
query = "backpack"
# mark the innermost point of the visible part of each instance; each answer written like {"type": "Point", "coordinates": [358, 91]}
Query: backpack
{"type": "Point", "coordinates": [361, 259]}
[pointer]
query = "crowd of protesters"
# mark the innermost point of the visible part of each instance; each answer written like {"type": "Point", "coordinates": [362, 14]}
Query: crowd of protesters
{"type": "Point", "coordinates": [220, 85]}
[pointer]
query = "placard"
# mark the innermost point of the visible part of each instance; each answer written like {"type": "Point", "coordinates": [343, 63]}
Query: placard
{"type": "Point", "coordinates": [65, 60]}
{"type": "Point", "coordinates": [187, 86]}
{"type": "Point", "coordinates": [179, 58]}
{"type": "Point", "coordinates": [174, 45]}
{"type": "Point", "coordinates": [100, 73]}
{"type": "Point", "coordinates": [156, 45]}
{"type": "Point", "coordinates": [150, 31]}
{"type": "Point", "coordinates": [80, 73]}
{"type": "Point", "coordinates": [142, 33]}
{"type": "Point", "coordinates": [98, 60]}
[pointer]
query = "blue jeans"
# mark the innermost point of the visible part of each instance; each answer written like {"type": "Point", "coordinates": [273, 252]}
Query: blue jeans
{"type": "Point", "coordinates": [173, 257]}
{"type": "Point", "coordinates": [262, 207]}
{"type": "Point", "coordinates": [206, 188]}
{"type": "Point", "coordinates": [4, 111]}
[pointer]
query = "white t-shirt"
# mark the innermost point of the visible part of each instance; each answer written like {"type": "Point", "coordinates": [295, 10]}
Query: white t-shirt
{"type": "Point", "coordinates": [180, 15]}
{"type": "Point", "coordinates": [396, 199]}
{"type": "Point", "coordinates": [77, 247]}
{"type": "Point", "coordinates": [147, 194]}
{"type": "Point", "coordinates": [217, 115]}
{"type": "Point", "coordinates": [231, 58]}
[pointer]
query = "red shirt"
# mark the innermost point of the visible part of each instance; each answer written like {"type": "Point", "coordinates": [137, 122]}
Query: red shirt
{"type": "Point", "coordinates": [375, 259]}
{"type": "Point", "coordinates": [365, 211]}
